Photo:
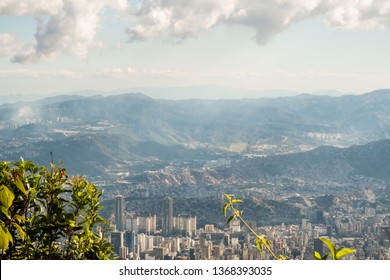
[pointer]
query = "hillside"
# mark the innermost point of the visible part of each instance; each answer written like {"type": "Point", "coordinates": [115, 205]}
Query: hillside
{"type": "Point", "coordinates": [116, 133]}
{"type": "Point", "coordinates": [322, 166]}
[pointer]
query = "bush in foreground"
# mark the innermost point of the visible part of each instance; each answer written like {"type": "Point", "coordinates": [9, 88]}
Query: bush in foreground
{"type": "Point", "coordinates": [47, 215]}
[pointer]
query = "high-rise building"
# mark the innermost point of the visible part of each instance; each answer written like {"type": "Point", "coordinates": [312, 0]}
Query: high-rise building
{"type": "Point", "coordinates": [142, 224]}
{"type": "Point", "coordinates": [130, 241]}
{"type": "Point", "coordinates": [319, 246]}
{"type": "Point", "coordinates": [119, 213]}
{"type": "Point", "coordinates": [226, 239]}
{"type": "Point", "coordinates": [329, 230]}
{"type": "Point", "coordinates": [304, 224]}
{"type": "Point", "coordinates": [184, 224]}
{"type": "Point", "coordinates": [117, 241]}
{"type": "Point", "coordinates": [167, 213]}
{"type": "Point", "coordinates": [320, 218]}
{"type": "Point", "coordinates": [147, 224]}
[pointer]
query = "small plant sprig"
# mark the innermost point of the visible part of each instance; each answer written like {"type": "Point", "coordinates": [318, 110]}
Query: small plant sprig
{"type": "Point", "coordinates": [336, 254]}
{"type": "Point", "coordinates": [261, 241]}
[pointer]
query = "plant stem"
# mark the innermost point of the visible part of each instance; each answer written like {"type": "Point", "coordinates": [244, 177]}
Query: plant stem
{"type": "Point", "coordinates": [238, 215]}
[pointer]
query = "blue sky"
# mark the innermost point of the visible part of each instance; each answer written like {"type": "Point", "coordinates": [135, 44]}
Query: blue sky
{"type": "Point", "coordinates": [297, 45]}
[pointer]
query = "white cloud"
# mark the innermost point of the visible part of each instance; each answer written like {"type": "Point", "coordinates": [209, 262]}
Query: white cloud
{"type": "Point", "coordinates": [178, 19]}
{"type": "Point", "coordinates": [269, 17]}
{"type": "Point", "coordinates": [9, 45]}
{"type": "Point", "coordinates": [174, 74]}
{"type": "Point", "coordinates": [181, 19]}
{"type": "Point", "coordinates": [70, 28]}
{"type": "Point", "coordinates": [30, 7]}
{"type": "Point", "coordinates": [124, 72]}
{"type": "Point", "coordinates": [175, 19]}
{"type": "Point", "coordinates": [364, 14]}
{"type": "Point", "coordinates": [118, 72]}
{"type": "Point", "coordinates": [28, 73]}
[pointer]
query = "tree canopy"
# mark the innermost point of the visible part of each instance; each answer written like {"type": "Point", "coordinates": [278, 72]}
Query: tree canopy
{"type": "Point", "coordinates": [45, 214]}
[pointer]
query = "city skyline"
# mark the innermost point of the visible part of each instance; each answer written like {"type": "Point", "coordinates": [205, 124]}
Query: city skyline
{"type": "Point", "coordinates": [301, 46]}
{"type": "Point", "coordinates": [365, 233]}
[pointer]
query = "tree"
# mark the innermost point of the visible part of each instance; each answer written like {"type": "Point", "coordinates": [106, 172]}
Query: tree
{"type": "Point", "coordinates": [47, 215]}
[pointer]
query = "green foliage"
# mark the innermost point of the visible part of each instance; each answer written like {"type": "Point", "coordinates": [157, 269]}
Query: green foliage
{"type": "Point", "coordinates": [47, 215]}
{"type": "Point", "coordinates": [261, 241]}
{"type": "Point", "coordinates": [336, 254]}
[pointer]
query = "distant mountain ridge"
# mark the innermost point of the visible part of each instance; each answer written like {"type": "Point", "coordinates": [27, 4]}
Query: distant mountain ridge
{"type": "Point", "coordinates": [221, 122]}
{"type": "Point", "coordinates": [322, 166]}
{"type": "Point", "coordinates": [116, 130]}
{"type": "Point", "coordinates": [171, 93]}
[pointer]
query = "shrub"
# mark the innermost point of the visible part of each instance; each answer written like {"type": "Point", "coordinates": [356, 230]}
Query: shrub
{"type": "Point", "coordinates": [47, 215]}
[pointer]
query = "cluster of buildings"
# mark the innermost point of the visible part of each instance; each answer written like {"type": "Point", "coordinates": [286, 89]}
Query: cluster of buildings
{"type": "Point", "coordinates": [140, 238]}
{"type": "Point", "coordinates": [179, 238]}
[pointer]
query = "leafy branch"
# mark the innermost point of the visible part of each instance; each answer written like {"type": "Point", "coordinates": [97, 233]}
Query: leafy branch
{"type": "Point", "coordinates": [261, 241]}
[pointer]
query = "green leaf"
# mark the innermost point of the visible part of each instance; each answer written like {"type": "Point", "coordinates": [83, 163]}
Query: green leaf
{"type": "Point", "coordinates": [99, 219]}
{"type": "Point", "coordinates": [259, 244]}
{"type": "Point", "coordinates": [317, 255]}
{"type": "Point", "coordinates": [330, 245]}
{"type": "Point", "coordinates": [5, 212]}
{"type": "Point", "coordinates": [224, 208]}
{"type": "Point", "coordinates": [6, 196]}
{"type": "Point", "coordinates": [20, 230]}
{"type": "Point", "coordinates": [344, 251]}
{"type": "Point", "coordinates": [19, 218]}
{"type": "Point", "coordinates": [325, 257]}
{"type": "Point", "coordinates": [5, 237]}
{"type": "Point", "coordinates": [229, 220]}
{"type": "Point", "coordinates": [20, 186]}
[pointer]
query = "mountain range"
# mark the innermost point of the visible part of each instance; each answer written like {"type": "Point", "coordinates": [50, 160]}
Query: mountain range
{"type": "Point", "coordinates": [96, 134]}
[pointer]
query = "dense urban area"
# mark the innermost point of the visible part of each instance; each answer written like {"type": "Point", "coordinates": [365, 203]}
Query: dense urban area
{"type": "Point", "coordinates": [350, 220]}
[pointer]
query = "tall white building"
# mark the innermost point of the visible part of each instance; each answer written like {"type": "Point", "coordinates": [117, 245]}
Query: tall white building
{"type": "Point", "coordinates": [187, 224]}
{"type": "Point", "coordinates": [142, 224]}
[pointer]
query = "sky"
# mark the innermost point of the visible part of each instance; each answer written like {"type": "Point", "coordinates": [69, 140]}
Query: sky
{"type": "Point", "coordinates": [294, 45]}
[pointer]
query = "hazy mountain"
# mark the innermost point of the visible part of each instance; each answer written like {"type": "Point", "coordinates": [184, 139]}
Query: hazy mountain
{"type": "Point", "coordinates": [208, 92]}
{"type": "Point", "coordinates": [322, 166]}
{"type": "Point", "coordinates": [305, 119]}
{"type": "Point", "coordinates": [115, 130]}
{"type": "Point", "coordinates": [173, 93]}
